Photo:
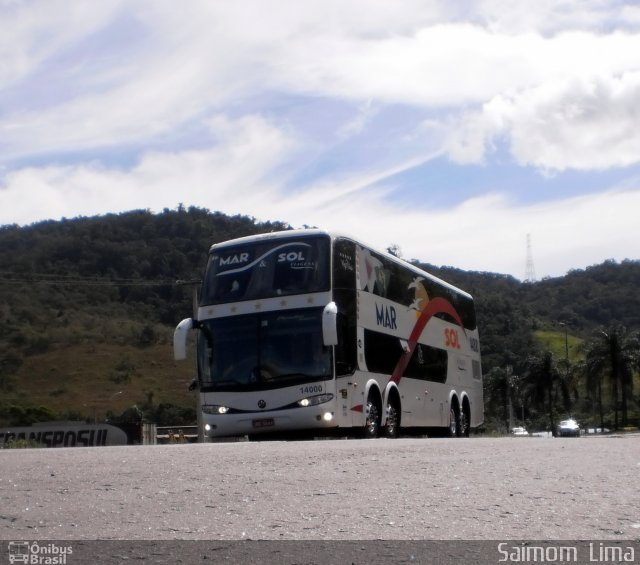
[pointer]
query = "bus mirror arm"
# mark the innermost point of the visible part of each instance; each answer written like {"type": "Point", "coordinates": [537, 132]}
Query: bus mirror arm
{"type": "Point", "coordinates": [180, 338]}
{"type": "Point", "coordinates": [329, 324]}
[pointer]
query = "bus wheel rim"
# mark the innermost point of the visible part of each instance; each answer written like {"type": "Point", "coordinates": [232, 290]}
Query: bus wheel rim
{"type": "Point", "coordinates": [372, 419]}
{"type": "Point", "coordinates": [453, 426]}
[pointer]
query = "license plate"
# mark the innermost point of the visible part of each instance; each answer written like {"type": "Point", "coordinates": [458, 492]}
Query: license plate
{"type": "Point", "coordinates": [263, 423]}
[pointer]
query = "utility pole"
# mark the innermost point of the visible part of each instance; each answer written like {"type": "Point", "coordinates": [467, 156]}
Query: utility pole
{"type": "Point", "coordinates": [566, 350]}
{"type": "Point", "coordinates": [566, 342]}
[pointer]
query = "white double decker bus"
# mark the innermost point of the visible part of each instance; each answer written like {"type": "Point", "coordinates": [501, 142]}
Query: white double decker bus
{"type": "Point", "coordinates": [306, 331]}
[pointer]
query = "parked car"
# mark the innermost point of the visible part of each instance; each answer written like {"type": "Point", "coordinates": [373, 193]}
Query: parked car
{"type": "Point", "coordinates": [520, 431]}
{"type": "Point", "coordinates": [568, 428]}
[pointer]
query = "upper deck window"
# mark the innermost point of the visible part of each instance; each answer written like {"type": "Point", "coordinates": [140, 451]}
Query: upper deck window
{"type": "Point", "coordinates": [266, 269]}
{"type": "Point", "coordinates": [400, 283]}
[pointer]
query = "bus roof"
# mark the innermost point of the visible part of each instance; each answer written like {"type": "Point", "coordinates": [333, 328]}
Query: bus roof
{"type": "Point", "coordinates": [315, 231]}
{"type": "Point", "coordinates": [271, 235]}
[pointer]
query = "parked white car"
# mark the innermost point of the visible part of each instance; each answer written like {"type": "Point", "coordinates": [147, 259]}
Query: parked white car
{"type": "Point", "coordinates": [519, 431]}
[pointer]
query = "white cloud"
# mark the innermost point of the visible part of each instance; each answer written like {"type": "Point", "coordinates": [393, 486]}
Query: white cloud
{"type": "Point", "coordinates": [489, 233]}
{"type": "Point", "coordinates": [356, 125]}
{"type": "Point", "coordinates": [553, 16]}
{"type": "Point", "coordinates": [181, 65]}
{"type": "Point", "coordinates": [31, 35]}
{"type": "Point", "coordinates": [578, 123]}
{"type": "Point", "coordinates": [232, 177]}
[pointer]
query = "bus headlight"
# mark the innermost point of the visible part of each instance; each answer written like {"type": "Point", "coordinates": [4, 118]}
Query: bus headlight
{"type": "Point", "coordinates": [315, 400]}
{"type": "Point", "coordinates": [214, 409]}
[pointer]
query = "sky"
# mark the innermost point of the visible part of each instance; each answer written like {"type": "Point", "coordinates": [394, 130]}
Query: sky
{"type": "Point", "coordinates": [472, 134]}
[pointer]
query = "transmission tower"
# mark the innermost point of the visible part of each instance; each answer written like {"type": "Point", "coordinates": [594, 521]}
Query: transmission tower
{"type": "Point", "coordinates": [530, 272]}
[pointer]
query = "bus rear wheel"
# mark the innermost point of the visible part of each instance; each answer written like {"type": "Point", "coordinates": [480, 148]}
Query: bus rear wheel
{"type": "Point", "coordinates": [392, 428]}
{"type": "Point", "coordinates": [372, 423]}
{"type": "Point", "coordinates": [465, 421]}
{"type": "Point", "coordinates": [453, 430]}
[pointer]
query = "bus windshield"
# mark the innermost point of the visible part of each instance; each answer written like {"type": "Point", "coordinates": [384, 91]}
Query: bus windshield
{"type": "Point", "coordinates": [267, 269]}
{"type": "Point", "coordinates": [262, 351]}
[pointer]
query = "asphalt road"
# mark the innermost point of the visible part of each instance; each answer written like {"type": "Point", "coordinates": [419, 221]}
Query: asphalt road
{"type": "Point", "coordinates": [406, 489]}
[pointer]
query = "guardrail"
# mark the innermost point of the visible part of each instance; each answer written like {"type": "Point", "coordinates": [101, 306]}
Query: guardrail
{"type": "Point", "coordinates": [176, 434]}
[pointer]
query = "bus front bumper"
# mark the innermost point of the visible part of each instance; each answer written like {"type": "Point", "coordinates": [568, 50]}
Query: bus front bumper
{"type": "Point", "coordinates": [249, 423]}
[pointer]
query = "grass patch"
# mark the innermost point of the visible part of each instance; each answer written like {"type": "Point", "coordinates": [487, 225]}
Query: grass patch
{"type": "Point", "coordinates": [20, 444]}
{"type": "Point", "coordinates": [555, 342]}
{"type": "Point", "coordinates": [79, 378]}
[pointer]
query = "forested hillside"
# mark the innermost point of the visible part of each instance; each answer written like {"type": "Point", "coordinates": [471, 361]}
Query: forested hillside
{"type": "Point", "coordinates": [88, 309]}
{"type": "Point", "coordinates": [89, 305]}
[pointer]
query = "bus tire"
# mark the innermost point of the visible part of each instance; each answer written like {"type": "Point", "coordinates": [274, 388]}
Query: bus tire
{"type": "Point", "coordinates": [372, 422]}
{"type": "Point", "coordinates": [392, 427]}
{"type": "Point", "coordinates": [465, 420]}
{"type": "Point", "coordinates": [453, 429]}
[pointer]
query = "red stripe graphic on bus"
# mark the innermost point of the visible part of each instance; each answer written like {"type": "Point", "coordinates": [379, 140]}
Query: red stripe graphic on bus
{"type": "Point", "coordinates": [435, 306]}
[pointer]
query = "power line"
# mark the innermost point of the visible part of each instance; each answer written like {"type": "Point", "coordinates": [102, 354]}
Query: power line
{"type": "Point", "coordinates": [11, 278]}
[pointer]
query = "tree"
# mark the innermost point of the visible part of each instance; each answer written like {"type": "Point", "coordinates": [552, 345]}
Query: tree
{"type": "Point", "coordinates": [395, 250]}
{"type": "Point", "coordinates": [593, 384]}
{"type": "Point", "coordinates": [502, 390]}
{"type": "Point", "coordinates": [544, 381]}
{"type": "Point", "coordinates": [613, 353]}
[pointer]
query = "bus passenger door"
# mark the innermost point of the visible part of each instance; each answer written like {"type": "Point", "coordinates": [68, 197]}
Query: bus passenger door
{"type": "Point", "coordinates": [348, 385]}
{"type": "Point", "coordinates": [345, 399]}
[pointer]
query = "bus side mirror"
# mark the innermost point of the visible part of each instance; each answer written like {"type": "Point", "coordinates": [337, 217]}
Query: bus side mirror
{"type": "Point", "coordinates": [329, 324]}
{"type": "Point", "coordinates": [180, 339]}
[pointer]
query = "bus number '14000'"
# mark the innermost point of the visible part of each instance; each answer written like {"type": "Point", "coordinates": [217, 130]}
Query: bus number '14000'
{"type": "Point", "coordinates": [310, 389]}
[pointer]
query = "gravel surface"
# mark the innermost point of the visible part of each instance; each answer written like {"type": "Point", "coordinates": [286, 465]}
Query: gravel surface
{"type": "Point", "coordinates": [406, 489]}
